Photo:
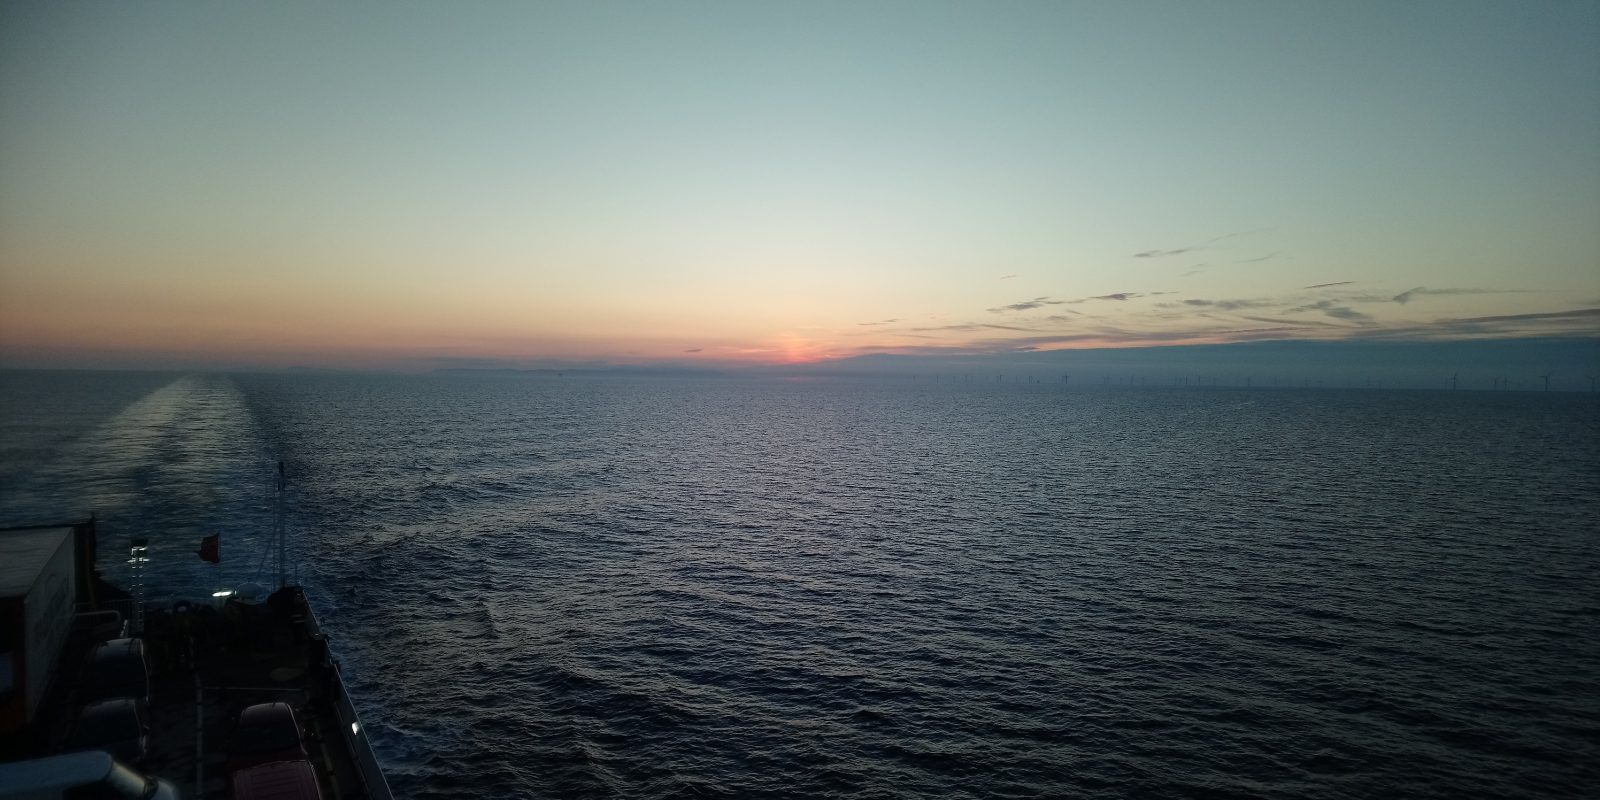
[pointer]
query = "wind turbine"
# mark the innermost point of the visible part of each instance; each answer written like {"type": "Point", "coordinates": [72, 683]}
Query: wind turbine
{"type": "Point", "coordinates": [1453, 381]}
{"type": "Point", "coordinates": [1546, 377]}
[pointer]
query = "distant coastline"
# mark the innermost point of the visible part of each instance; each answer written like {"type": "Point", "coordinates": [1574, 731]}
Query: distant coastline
{"type": "Point", "coordinates": [621, 369]}
{"type": "Point", "coordinates": [1572, 364]}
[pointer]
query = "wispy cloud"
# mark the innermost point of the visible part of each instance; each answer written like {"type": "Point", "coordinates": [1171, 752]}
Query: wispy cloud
{"type": "Point", "coordinates": [1346, 312]}
{"type": "Point", "coordinates": [1041, 302]}
{"type": "Point", "coordinates": [1332, 309]}
{"type": "Point", "coordinates": [1576, 314]}
{"type": "Point", "coordinates": [1115, 337]}
{"type": "Point", "coordinates": [879, 322]}
{"type": "Point", "coordinates": [1410, 294]}
{"type": "Point", "coordinates": [694, 350]}
{"type": "Point", "coordinates": [1256, 260]}
{"type": "Point", "coordinates": [1577, 322]}
{"type": "Point", "coordinates": [1230, 305]}
{"type": "Point", "coordinates": [1027, 305]}
{"type": "Point", "coordinates": [1205, 329]}
{"type": "Point", "coordinates": [1300, 322]}
{"type": "Point", "coordinates": [1163, 253]}
{"type": "Point", "coordinates": [1324, 311]}
{"type": "Point", "coordinates": [975, 326]}
{"type": "Point", "coordinates": [1008, 277]}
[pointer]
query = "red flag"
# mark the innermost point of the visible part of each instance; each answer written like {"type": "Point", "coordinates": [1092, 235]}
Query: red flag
{"type": "Point", "coordinates": [210, 548]}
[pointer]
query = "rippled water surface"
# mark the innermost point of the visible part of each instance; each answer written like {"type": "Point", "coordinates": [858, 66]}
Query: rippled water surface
{"type": "Point", "coordinates": [590, 587]}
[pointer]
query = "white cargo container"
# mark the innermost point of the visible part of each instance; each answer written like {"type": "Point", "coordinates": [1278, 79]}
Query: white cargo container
{"type": "Point", "coordinates": [37, 588]}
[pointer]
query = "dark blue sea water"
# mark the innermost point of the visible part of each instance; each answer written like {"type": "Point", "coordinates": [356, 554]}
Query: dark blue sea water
{"type": "Point", "coordinates": [606, 587]}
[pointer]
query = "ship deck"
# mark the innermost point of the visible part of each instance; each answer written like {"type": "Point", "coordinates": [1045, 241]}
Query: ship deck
{"type": "Point", "coordinates": [207, 665]}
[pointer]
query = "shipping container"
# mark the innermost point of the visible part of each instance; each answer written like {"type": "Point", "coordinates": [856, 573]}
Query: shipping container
{"type": "Point", "coordinates": [37, 588]}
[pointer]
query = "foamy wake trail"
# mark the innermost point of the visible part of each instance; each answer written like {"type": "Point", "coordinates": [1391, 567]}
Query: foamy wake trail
{"type": "Point", "coordinates": [179, 463]}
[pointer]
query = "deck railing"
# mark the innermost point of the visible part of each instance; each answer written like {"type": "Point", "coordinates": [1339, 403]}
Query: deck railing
{"type": "Point", "coordinates": [350, 727]}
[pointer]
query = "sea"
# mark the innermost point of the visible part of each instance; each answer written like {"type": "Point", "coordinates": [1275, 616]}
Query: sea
{"type": "Point", "coordinates": [597, 586]}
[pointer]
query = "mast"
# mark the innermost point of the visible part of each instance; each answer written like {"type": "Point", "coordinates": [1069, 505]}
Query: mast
{"type": "Point", "coordinates": [138, 556]}
{"type": "Point", "coordinates": [278, 526]}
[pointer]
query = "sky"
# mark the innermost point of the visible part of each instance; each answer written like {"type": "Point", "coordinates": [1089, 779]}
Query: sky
{"type": "Point", "coordinates": [398, 185]}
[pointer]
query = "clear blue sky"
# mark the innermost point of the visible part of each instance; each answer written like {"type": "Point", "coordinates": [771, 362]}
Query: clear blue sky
{"type": "Point", "coordinates": [392, 183]}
